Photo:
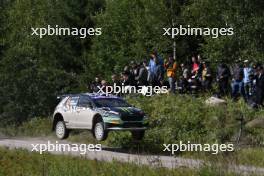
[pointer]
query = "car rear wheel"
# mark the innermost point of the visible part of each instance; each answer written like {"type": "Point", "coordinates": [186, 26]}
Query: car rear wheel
{"type": "Point", "coordinates": [99, 132]}
{"type": "Point", "coordinates": [61, 131]}
{"type": "Point", "coordinates": [138, 135]}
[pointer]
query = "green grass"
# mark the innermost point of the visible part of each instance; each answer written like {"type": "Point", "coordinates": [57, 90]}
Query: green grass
{"type": "Point", "coordinates": [244, 156]}
{"type": "Point", "coordinates": [20, 162]}
{"type": "Point", "coordinates": [35, 127]}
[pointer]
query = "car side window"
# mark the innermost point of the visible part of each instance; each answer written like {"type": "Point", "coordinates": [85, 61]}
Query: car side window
{"type": "Point", "coordinates": [71, 103]}
{"type": "Point", "coordinates": [84, 102]}
{"type": "Point", "coordinates": [74, 101]}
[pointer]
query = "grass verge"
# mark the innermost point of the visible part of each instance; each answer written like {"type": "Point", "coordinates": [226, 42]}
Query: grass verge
{"type": "Point", "coordinates": [20, 162]}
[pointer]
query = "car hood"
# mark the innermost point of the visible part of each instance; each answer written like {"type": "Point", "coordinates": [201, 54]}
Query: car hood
{"type": "Point", "coordinates": [124, 110]}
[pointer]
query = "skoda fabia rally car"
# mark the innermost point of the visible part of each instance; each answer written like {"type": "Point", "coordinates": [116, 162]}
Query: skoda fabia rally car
{"type": "Point", "coordinates": [98, 113]}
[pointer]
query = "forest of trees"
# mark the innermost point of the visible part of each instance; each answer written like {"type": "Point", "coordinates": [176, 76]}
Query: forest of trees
{"type": "Point", "coordinates": [34, 71]}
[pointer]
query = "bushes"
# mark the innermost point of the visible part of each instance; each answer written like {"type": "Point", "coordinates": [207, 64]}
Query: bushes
{"type": "Point", "coordinates": [184, 118]}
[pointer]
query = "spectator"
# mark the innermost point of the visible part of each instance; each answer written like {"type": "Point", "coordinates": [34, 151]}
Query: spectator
{"type": "Point", "coordinates": [159, 58]}
{"type": "Point", "coordinates": [115, 80]}
{"type": "Point", "coordinates": [128, 72]}
{"type": "Point", "coordinates": [253, 79]}
{"type": "Point", "coordinates": [259, 97]}
{"type": "Point", "coordinates": [134, 70]}
{"type": "Point", "coordinates": [125, 79]}
{"type": "Point", "coordinates": [206, 77]}
{"type": "Point", "coordinates": [171, 66]}
{"type": "Point", "coordinates": [142, 78]}
{"type": "Point", "coordinates": [201, 67]}
{"type": "Point", "coordinates": [223, 74]}
{"type": "Point", "coordinates": [195, 66]}
{"type": "Point", "coordinates": [152, 69]}
{"type": "Point", "coordinates": [185, 76]}
{"type": "Point", "coordinates": [158, 73]}
{"type": "Point", "coordinates": [155, 70]}
{"type": "Point", "coordinates": [237, 83]}
{"type": "Point", "coordinates": [247, 79]}
{"type": "Point", "coordinates": [103, 85]}
{"type": "Point", "coordinates": [195, 81]}
{"type": "Point", "coordinates": [145, 64]}
{"type": "Point", "coordinates": [160, 64]}
{"type": "Point", "coordinates": [95, 84]}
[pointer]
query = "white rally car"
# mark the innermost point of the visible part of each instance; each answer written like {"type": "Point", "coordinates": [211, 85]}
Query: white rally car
{"type": "Point", "coordinates": [98, 113]}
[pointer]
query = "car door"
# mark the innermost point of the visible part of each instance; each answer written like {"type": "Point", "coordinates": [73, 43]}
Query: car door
{"type": "Point", "coordinates": [70, 112]}
{"type": "Point", "coordinates": [84, 113]}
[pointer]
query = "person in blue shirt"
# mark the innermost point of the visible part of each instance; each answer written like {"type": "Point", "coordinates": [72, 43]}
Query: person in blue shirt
{"type": "Point", "coordinates": [246, 79]}
{"type": "Point", "coordinates": [156, 69]}
{"type": "Point", "coordinates": [237, 83]}
{"type": "Point", "coordinates": [152, 69]}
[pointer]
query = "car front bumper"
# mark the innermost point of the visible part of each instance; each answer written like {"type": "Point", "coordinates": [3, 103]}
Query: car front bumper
{"type": "Point", "coordinates": [126, 126]}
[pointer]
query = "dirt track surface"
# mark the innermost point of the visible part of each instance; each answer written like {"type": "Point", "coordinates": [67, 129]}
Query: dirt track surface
{"type": "Point", "coordinates": [107, 155]}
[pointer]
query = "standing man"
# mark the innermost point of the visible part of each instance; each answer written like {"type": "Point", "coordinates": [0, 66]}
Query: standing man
{"type": "Point", "coordinates": [115, 80]}
{"type": "Point", "coordinates": [170, 67]}
{"type": "Point", "coordinates": [94, 87]}
{"type": "Point", "coordinates": [223, 75]}
{"type": "Point", "coordinates": [246, 80]}
{"type": "Point", "coordinates": [237, 83]}
{"type": "Point", "coordinates": [259, 97]}
{"type": "Point", "coordinates": [206, 77]}
{"type": "Point", "coordinates": [142, 78]}
{"type": "Point", "coordinates": [184, 78]}
{"type": "Point", "coordinates": [152, 70]}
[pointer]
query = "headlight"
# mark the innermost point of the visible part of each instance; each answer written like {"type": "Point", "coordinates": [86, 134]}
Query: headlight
{"type": "Point", "coordinates": [112, 113]}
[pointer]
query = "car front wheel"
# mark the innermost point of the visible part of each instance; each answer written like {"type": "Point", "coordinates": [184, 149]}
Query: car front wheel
{"type": "Point", "coordinates": [99, 132]}
{"type": "Point", "coordinates": [61, 131]}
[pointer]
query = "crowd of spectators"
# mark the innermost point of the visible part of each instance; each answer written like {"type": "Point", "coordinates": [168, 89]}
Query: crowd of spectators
{"type": "Point", "coordinates": [241, 79]}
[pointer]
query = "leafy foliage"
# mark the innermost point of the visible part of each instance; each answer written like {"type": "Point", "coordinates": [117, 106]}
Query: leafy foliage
{"type": "Point", "coordinates": [130, 30]}
{"type": "Point", "coordinates": [245, 17]}
{"type": "Point", "coordinates": [34, 71]}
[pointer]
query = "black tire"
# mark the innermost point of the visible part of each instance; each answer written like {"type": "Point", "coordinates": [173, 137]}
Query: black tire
{"type": "Point", "coordinates": [138, 135]}
{"type": "Point", "coordinates": [99, 132]}
{"type": "Point", "coordinates": [61, 131]}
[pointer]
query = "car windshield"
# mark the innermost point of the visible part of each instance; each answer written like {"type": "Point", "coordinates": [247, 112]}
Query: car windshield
{"type": "Point", "coordinates": [110, 102]}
